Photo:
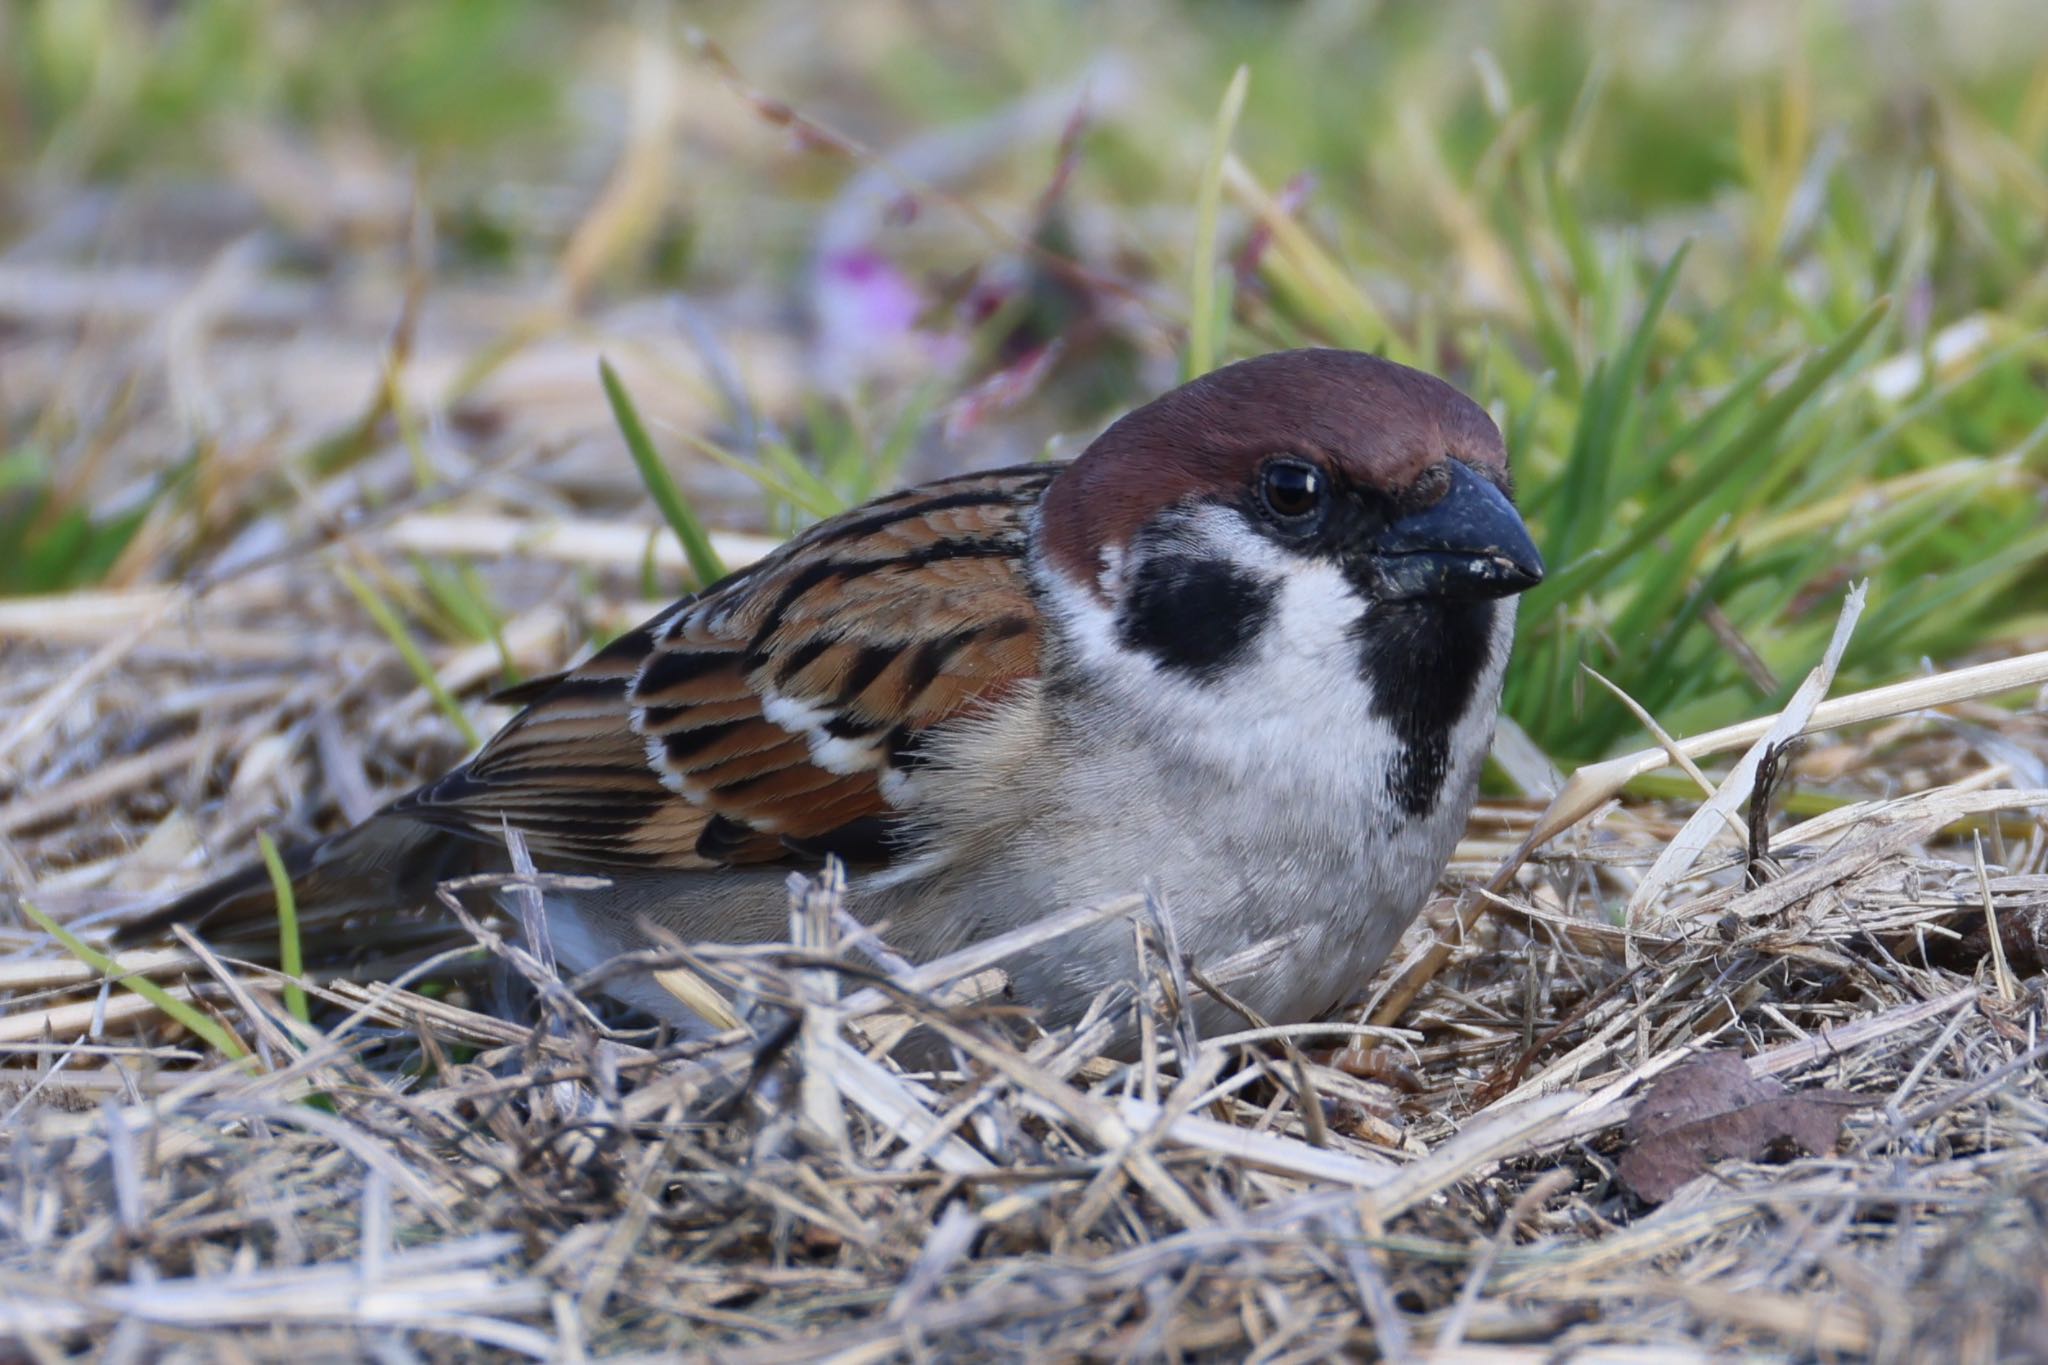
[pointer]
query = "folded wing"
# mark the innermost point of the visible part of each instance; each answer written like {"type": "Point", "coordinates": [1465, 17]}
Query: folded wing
{"type": "Point", "coordinates": [782, 714]}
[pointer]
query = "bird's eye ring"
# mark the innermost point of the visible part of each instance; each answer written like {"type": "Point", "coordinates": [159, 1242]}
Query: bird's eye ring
{"type": "Point", "coordinates": [1291, 489]}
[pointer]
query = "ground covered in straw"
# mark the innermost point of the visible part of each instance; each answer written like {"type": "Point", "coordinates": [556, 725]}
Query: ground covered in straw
{"type": "Point", "coordinates": [456, 1155]}
{"type": "Point", "coordinates": [304, 452]}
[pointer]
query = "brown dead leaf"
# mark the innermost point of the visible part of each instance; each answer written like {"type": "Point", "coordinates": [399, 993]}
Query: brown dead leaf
{"type": "Point", "coordinates": [1711, 1108]}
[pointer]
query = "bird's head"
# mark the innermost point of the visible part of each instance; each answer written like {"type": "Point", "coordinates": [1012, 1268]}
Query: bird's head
{"type": "Point", "coordinates": [1383, 487]}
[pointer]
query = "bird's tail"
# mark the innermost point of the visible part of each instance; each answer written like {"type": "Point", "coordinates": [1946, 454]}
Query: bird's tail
{"type": "Point", "coordinates": [388, 862]}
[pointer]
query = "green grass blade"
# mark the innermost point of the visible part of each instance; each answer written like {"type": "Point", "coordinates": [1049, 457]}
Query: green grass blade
{"type": "Point", "coordinates": [408, 649]}
{"type": "Point", "coordinates": [1719, 477]}
{"type": "Point", "coordinates": [289, 960]}
{"type": "Point", "coordinates": [1204, 321]}
{"type": "Point", "coordinates": [705, 565]}
{"type": "Point", "coordinates": [779, 473]}
{"type": "Point", "coordinates": [194, 1021]}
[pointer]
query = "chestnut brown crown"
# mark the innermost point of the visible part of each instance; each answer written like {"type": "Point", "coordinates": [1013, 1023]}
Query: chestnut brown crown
{"type": "Point", "coordinates": [1363, 420]}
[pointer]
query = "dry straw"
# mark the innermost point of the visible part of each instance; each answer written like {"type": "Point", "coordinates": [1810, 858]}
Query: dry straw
{"type": "Point", "coordinates": [459, 1155]}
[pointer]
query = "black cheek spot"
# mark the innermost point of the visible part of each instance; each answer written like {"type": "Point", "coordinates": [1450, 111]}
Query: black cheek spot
{"type": "Point", "coordinates": [1195, 616]}
{"type": "Point", "coordinates": [1423, 661]}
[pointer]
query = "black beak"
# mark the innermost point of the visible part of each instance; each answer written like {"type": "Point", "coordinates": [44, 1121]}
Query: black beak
{"type": "Point", "coordinates": [1470, 544]}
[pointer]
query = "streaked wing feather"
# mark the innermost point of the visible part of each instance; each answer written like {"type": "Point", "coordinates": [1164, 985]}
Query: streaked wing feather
{"type": "Point", "coordinates": [756, 723]}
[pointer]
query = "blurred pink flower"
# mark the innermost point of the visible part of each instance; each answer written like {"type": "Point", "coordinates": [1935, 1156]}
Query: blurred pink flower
{"type": "Point", "coordinates": [868, 312]}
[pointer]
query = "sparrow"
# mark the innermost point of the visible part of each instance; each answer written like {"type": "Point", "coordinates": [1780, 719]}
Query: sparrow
{"type": "Point", "coordinates": [1244, 653]}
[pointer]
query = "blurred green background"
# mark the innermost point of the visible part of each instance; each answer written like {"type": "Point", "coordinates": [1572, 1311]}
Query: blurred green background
{"type": "Point", "coordinates": [1755, 289]}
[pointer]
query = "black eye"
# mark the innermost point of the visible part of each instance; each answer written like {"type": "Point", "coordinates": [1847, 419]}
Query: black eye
{"type": "Point", "coordinates": [1291, 489]}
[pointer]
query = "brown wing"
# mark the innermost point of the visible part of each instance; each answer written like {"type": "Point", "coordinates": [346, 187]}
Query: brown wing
{"type": "Point", "coordinates": [778, 716]}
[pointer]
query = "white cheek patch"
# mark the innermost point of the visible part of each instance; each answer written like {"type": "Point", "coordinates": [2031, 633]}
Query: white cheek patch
{"type": "Point", "coordinates": [1316, 608]}
{"type": "Point", "coordinates": [1317, 618]}
{"type": "Point", "coordinates": [1088, 625]}
{"type": "Point", "coordinates": [1292, 720]}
